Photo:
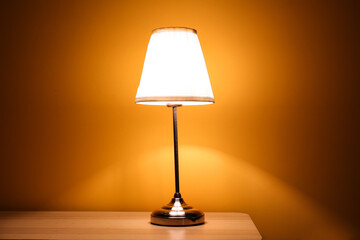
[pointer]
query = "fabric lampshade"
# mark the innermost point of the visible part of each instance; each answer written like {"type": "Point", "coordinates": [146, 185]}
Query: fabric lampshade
{"type": "Point", "coordinates": [174, 70]}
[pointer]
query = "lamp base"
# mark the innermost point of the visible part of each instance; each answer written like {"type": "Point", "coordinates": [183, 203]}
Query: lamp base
{"type": "Point", "coordinates": [177, 213]}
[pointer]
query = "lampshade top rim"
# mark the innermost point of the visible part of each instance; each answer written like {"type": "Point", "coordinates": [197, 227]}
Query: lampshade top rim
{"type": "Point", "coordinates": [165, 29]}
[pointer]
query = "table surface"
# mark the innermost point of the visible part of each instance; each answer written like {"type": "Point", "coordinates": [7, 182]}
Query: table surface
{"type": "Point", "coordinates": [120, 225]}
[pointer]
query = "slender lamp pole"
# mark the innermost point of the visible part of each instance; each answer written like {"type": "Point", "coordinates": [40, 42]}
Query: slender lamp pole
{"type": "Point", "coordinates": [176, 153]}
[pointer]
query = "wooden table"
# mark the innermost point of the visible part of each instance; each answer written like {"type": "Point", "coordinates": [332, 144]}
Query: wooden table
{"type": "Point", "coordinates": [120, 225]}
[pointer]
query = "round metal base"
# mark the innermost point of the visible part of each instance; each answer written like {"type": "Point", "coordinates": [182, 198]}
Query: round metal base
{"type": "Point", "coordinates": [177, 213]}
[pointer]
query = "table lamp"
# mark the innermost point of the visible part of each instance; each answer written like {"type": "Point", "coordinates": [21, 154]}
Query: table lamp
{"type": "Point", "coordinates": [174, 75]}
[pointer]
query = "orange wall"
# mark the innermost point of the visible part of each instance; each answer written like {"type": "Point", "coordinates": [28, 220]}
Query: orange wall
{"type": "Point", "coordinates": [278, 144]}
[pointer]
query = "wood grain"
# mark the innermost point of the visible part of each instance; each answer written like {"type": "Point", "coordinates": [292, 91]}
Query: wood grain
{"type": "Point", "coordinates": [120, 225]}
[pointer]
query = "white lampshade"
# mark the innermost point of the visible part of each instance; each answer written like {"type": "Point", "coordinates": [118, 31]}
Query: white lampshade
{"type": "Point", "coordinates": [174, 70]}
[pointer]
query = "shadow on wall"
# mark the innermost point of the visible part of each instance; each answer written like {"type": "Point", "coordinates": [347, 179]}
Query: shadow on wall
{"type": "Point", "coordinates": [209, 179]}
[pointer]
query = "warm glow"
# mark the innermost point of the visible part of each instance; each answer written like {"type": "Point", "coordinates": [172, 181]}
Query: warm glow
{"type": "Point", "coordinates": [174, 70]}
{"type": "Point", "coordinates": [279, 144]}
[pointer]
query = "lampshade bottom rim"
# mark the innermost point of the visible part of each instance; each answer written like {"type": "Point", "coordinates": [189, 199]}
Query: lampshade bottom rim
{"type": "Point", "coordinates": [183, 103]}
{"type": "Point", "coordinates": [183, 100]}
